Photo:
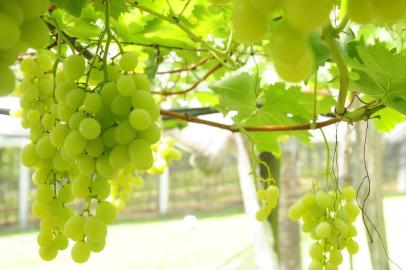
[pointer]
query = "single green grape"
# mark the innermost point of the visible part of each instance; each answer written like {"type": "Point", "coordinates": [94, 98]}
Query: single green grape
{"type": "Point", "coordinates": [295, 72]}
{"type": "Point", "coordinates": [250, 26]}
{"type": "Point", "coordinates": [128, 61]}
{"type": "Point", "coordinates": [74, 67]}
{"type": "Point", "coordinates": [141, 154]}
{"type": "Point", "coordinates": [389, 11]}
{"type": "Point", "coordinates": [106, 212]}
{"type": "Point", "coordinates": [101, 189]}
{"type": "Point", "coordinates": [75, 97]}
{"type": "Point", "coordinates": [9, 32]}
{"type": "Point", "coordinates": [360, 11]}
{"type": "Point", "coordinates": [307, 15]}
{"type": "Point", "coordinates": [80, 252]}
{"type": "Point", "coordinates": [7, 82]}
{"type": "Point", "coordinates": [89, 128]}
{"type": "Point", "coordinates": [35, 33]}
{"type": "Point", "coordinates": [120, 106]}
{"type": "Point", "coordinates": [104, 168]}
{"type": "Point", "coordinates": [124, 133]}
{"type": "Point", "coordinates": [316, 251]}
{"type": "Point", "coordinates": [119, 156]}
{"type": "Point", "coordinates": [126, 85]}
{"type": "Point", "coordinates": [95, 229]}
{"type": "Point", "coordinates": [74, 144]}
{"type": "Point", "coordinates": [48, 253]}
{"type": "Point", "coordinates": [140, 119]}
{"type": "Point", "coordinates": [323, 229]}
{"type": "Point", "coordinates": [93, 103]}
{"type": "Point", "coordinates": [80, 186]}
{"type": "Point", "coordinates": [44, 147]}
{"type": "Point", "coordinates": [74, 228]}
{"type": "Point", "coordinates": [95, 147]}
{"type": "Point", "coordinates": [141, 82]}
{"type": "Point", "coordinates": [151, 135]}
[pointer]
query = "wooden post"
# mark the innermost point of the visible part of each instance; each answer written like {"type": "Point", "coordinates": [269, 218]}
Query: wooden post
{"type": "Point", "coordinates": [23, 192]}
{"type": "Point", "coordinates": [163, 201]}
{"type": "Point", "coordinates": [264, 256]}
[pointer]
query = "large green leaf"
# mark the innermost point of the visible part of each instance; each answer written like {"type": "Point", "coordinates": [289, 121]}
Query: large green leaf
{"type": "Point", "coordinates": [381, 74]}
{"type": "Point", "coordinates": [269, 105]}
{"type": "Point", "coordinates": [74, 7]}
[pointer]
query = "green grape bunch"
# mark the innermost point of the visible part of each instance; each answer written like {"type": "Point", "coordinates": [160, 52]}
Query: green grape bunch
{"type": "Point", "coordinates": [329, 219]}
{"type": "Point", "coordinates": [21, 28]}
{"type": "Point", "coordinates": [269, 199]}
{"type": "Point", "coordinates": [85, 132]}
{"type": "Point", "coordinates": [129, 179]}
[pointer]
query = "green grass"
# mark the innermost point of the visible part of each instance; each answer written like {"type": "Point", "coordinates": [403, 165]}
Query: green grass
{"type": "Point", "coordinates": [217, 243]}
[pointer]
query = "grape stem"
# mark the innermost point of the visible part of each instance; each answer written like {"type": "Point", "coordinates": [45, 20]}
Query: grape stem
{"type": "Point", "coordinates": [329, 35]}
{"type": "Point", "coordinates": [109, 37]}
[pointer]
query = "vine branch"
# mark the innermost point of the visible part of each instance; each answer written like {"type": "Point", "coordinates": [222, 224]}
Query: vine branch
{"type": "Point", "coordinates": [234, 128]}
{"type": "Point", "coordinates": [329, 35]}
{"type": "Point", "coordinates": [191, 88]}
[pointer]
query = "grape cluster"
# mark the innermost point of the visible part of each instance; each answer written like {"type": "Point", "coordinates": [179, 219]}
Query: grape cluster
{"type": "Point", "coordinates": [328, 217]}
{"type": "Point", "coordinates": [289, 45]}
{"type": "Point", "coordinates": [367, 11]}
{"type": "Point", "coordinates": [130, 178]}
{"type": "Point", "coordinates": [84, 131]}
{"type": "Point", "coordinates": [21, 28]}
{"type": "Point", "coordinates": [269, 199]}
{"type": "Point", "coordinates": [164, 153]}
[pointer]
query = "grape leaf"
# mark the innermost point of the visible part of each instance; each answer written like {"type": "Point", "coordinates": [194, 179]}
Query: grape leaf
{"type": "Point", "coordinates": [381, 74]}
{"type": "Point", "coordinates": [74, 7]}
{"type": "Point", "coordinates": [388, 119]}
{"type": "Point", "coordinates": [270, 105]}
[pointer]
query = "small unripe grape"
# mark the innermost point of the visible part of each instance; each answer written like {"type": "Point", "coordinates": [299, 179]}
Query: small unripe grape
{"type": "Point", "coordinates": [120, 106]}
{"type": "Point", "coordinates": [250, 26]}
{"type": "Point", "coordinates": [126, 85]}
{"type": "Point", "coordinates": [7, 82]}
{"type": "Point", "coordinates": [336, 257]}
{"type": "Point", "coordinates": [9, 32]}
{"type": "Point", "coordinates": [74, 228]}
{"type": "Point", "coordinates": [35, 33]}
{"type": "Point", "coordinates": [74, 144]}
{"type": "Point", "coordinates": [315, 265]}
{"type": "Point", "coordinates": [323, 199]}
{"type": "Point", "coordinates": [74, 67]}
{"type": "Point", "coordinates": [61, 242]}
{"type": "Point", "coordinates": [128, 61]}
{"type": "Point", "coordinates": [141, 82]}
{"type": "Point", "coordinates": [89, 128]}
{"type": "Point", "coordinates": [360, 11]}
{"type": "Point", "coordinates": [106, 212]}
{"type": "Point", "coordinates": [316, 251]}
{"type": "Point", "coordinates": [151, 135]}
{"type": "Point", "coordinates": [104, 168]}
{"type": "Point", "coordinates": [48, 253]}
{"type": "Point", "coordinates": [101, 189]}
{"type": "Point", "coordinates": [140, 119]}
{"type": "Point", "coordinates": [80, 252]}
{"type": "Point", "coordinates": [349, 193]}
{"type": "Point", "coordinates": [352, 246]}
{"type": "Point", "coordinates": [119, 156]}
{"type": "Point", "coordinates": [323, 229]}
{"type": "Point", "coordinates": [95, 229]}
{"type": "Point", "coordinates": [306, 15]}
{"type": "Point", "coordinates": [93, 103]}
{"type": "Point", "coordinates": [44, 238]}
{"type": "Point", "coordinates": [141, 154]}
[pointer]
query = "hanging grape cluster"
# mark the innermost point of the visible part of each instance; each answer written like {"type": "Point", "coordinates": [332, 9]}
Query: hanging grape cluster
{"type": "Point", "coordinates": [84, 130]}
{"type": "Point", "coordinates": [269, 199]}
{"type": "Point", "coordinates": [129, 178]}
{"type": "Point", "coordinates": [290, 48]}
{"type": "Point", "coordinates": [328, 217]}
{"type": "Point", "coordinates": [21, 28]}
